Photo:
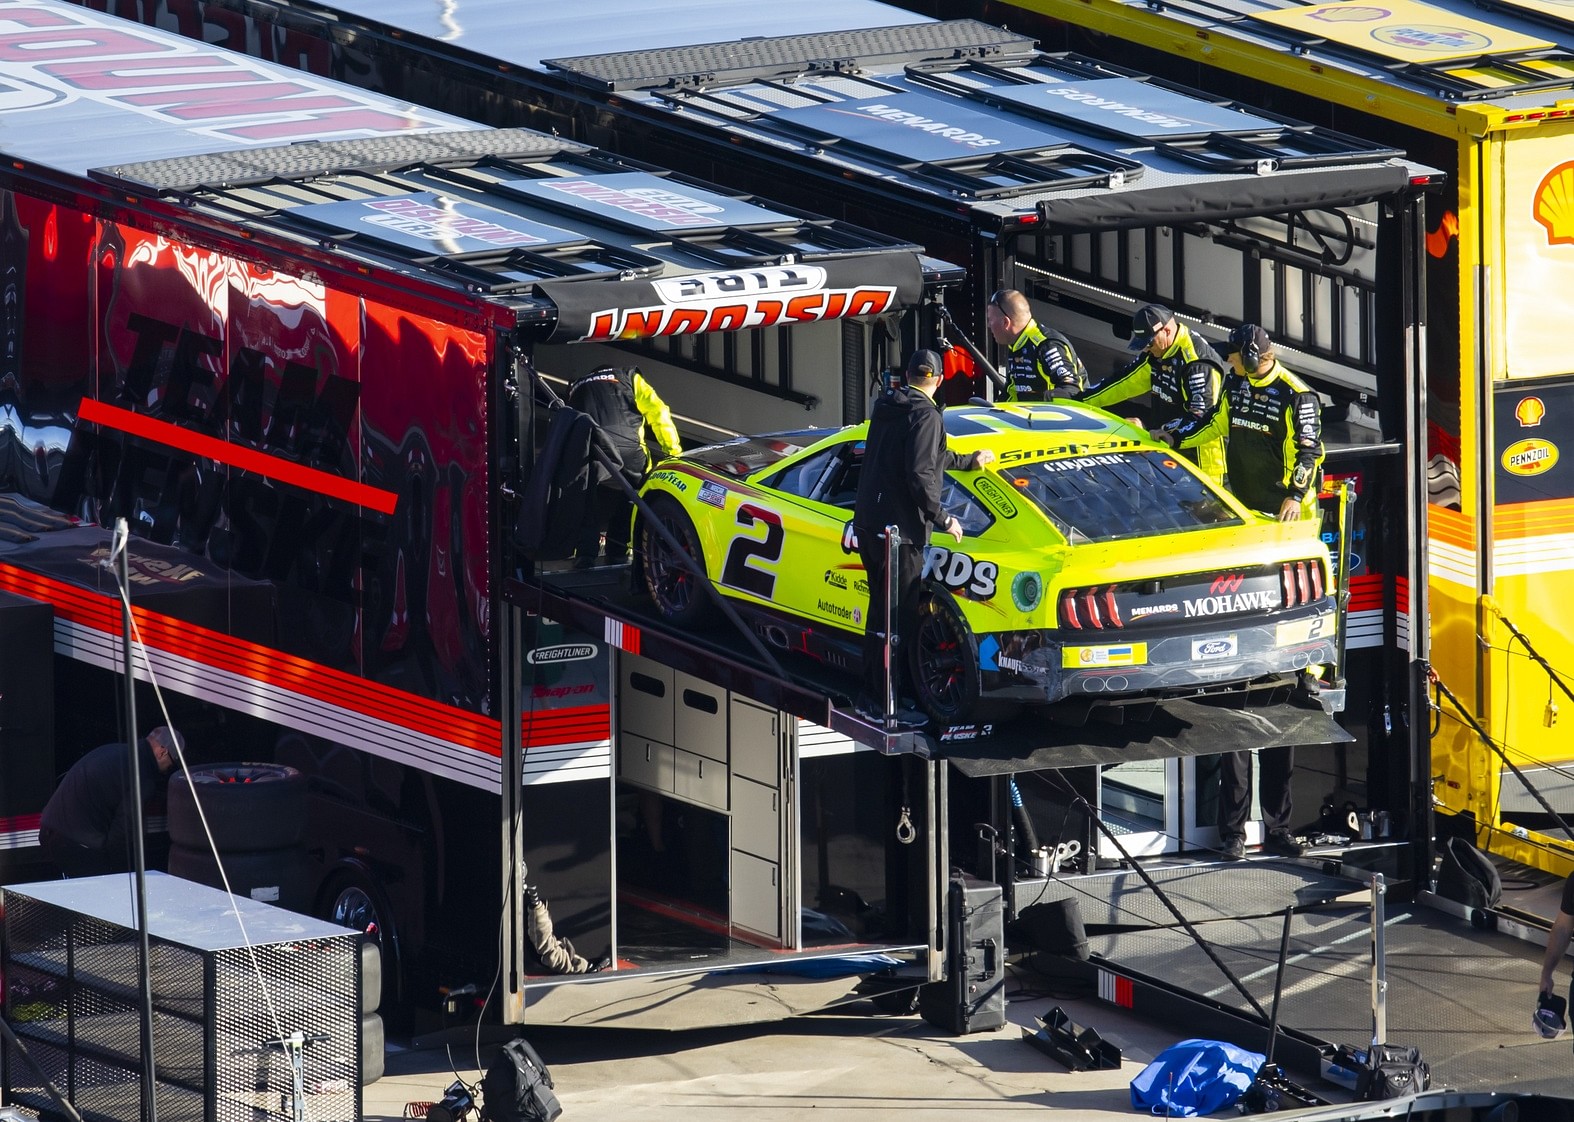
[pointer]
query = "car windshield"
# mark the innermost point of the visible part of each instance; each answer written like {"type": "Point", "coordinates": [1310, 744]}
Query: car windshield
{"type": "Point", "coordinates": [1115, 495]}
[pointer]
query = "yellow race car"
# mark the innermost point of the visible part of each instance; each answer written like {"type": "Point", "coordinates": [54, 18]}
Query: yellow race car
{"type": "Point", "coordinates": [1096, 564]}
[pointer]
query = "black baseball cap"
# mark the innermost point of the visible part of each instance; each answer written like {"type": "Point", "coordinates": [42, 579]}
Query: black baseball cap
{"type": "Point", "coordinates": [925, 364]}
{"type": "Point", "coordinates": [1145, 321]}
{"type": "Point", "coordinates": [1251, 343]}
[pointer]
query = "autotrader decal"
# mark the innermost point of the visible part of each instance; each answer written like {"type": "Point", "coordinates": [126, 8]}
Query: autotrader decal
{"type": "Point", "coordinates": [961, 573]}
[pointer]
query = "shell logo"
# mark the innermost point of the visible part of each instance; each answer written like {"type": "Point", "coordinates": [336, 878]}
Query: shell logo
{"type": "Point", "coordinates": [1530, 457]}
{"type": "Point", "coordinates": [1529, 412]}
{"type": "Point", "coordinates": [1554, 204]}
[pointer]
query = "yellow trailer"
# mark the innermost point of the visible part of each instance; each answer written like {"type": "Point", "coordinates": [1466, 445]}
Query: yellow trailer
{"type": "Point", "coordinates": [1486, 91]}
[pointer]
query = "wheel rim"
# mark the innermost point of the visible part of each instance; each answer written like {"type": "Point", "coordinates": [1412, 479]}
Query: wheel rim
{"type": "Point", "coordinates": [671, 583]}
{"type": "Point", "coordinates": [354, 908]}
{"type": "Point", "coordinates": [942, 665]}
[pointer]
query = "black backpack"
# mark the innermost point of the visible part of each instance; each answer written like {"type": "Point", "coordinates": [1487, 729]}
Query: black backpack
{"type": "Point", "coordinates": [518, 1087]}
{"type": "Point", "coordinates": [1468, 876]}
{"type": "Point", "coordinates": [556, 498]}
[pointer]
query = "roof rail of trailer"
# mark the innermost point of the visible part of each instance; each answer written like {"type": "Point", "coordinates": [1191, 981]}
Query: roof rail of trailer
{"type": "Point", "coordinates": [768, 59]}
{"type": "Point", "coordinates": [528, 207]}
{"type": "Point", "coordinates": [969, 119]}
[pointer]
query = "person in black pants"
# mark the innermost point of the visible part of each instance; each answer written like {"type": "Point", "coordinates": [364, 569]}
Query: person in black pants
{"type": "Point", "coordinates": [1276, 766]}
{"type": "Point", "coordinates": [904, 465]}
{"type": "Point", "coordinates": [85, 829]}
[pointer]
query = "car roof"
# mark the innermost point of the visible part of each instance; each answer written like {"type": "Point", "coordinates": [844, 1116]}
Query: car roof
{"type": "Point", "coordinates": [1043, 426]}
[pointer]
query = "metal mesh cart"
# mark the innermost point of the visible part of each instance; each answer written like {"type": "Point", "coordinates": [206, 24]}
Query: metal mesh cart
{"type": "Point", "coordinates": [70, 954]}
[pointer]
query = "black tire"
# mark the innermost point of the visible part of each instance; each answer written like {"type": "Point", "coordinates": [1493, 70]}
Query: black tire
{"type": "Point", "coordinates": [374, 1056]}
{"type": "Point", "coordinates": [250, 807]}
{"type": "Point", "coordinates": [943, 662]}
{"type": "Point", "coordinates": [350, 900]}
{"type": "Point", "coordinates": [676, 591]}
{"type": "Point", "coordinates": [371, 974]}
{"type": "Point", "coordinates": [274, 876]}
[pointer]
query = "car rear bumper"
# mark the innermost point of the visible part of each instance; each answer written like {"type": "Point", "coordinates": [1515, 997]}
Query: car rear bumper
{"type": "Point", "coordinates": [1047, 666]}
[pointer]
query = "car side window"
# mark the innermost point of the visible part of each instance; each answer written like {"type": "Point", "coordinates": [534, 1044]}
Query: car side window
{"type": "Point", "coordinates": [829, 477]}
{"type": "Point", "coordinates": [805, 477]}
{"type": "Point", "coordinates": [957, 500]}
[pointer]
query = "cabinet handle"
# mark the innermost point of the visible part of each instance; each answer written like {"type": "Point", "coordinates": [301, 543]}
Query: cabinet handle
{"type": "Point", "coordinates": [775, 806]}
{"type": "Point", "coordinates": [702, 769]}
{"type": "Point", "coordinates": [773, 876]}
{"type": "Point", "coordinates": [647, 753]}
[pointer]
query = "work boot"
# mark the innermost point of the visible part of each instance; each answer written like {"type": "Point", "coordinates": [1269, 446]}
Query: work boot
{"type": "Point", "coordinates": [1283, 844]}
{"type": "Point", "coordinates": [1232, 849]}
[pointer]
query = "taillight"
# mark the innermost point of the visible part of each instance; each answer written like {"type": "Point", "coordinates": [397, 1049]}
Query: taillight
{"type": "Point", "coordinates": [1068, 610]}
{"type": "Point", "coordinates": [1301, 582]}
{"type": "Point", "coordinates": [1092, 607]}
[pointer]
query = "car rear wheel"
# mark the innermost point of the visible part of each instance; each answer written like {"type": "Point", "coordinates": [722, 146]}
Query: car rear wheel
{"type": "Point", "coordinates": [944, 662]}
{"type": "Point", "coordinates": [674, 587]}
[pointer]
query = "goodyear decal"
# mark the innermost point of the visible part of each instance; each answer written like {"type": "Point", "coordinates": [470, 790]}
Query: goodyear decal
{"type": "Point", "coordinates": [1087, 658]}
{"type": "Point", "coordinates": [1531, 456]}
{"type": "Point", "coordinates": [673, 480]}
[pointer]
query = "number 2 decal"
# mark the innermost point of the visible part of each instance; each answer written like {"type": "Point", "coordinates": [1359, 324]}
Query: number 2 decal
{"type": "Point", "coordinates": [737, 572]}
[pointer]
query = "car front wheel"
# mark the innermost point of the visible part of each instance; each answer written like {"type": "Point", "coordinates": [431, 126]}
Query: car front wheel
{"type": "Point", "coordinates": [673, 585]}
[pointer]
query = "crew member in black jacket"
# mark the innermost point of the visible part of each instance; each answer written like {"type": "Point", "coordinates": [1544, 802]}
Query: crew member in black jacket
{"type": "Point", "coordinates": [85, 829]}
{"type": "Point", "coordinates": [904, 465]}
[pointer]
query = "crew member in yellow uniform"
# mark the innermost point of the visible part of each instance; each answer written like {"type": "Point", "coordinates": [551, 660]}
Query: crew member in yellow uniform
{"type": "Point", "coordinates": [1043, 363]}
{"type": "Point", "coordinates": [1275, 453]}
{"type": "Point", "coordinates": [1185, 376]}
{"type": "Point", "coordinates": [623, 404]}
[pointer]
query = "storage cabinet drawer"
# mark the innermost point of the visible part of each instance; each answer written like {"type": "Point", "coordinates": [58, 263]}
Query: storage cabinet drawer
{"type": "Point", "coordinates": [756, 898]}
{"type": "Point", "coordinates": [645, 762]}
{"type": "Point", "coordinates": [699, 716]}
{"type": "Point", "coordinates": [756, 819]}
{"type": "Point", "coordinates": [645, 698]}
{"type": "Point", "coordinates": [756, 742]}
{"type": "Point", "coordinates": [699, 780]}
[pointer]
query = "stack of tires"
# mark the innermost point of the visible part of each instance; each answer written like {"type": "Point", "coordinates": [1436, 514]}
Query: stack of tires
{"type": "Point", "coordinates": [373, 1041]}
{"type": "Point", "coordinates": [257, 816]}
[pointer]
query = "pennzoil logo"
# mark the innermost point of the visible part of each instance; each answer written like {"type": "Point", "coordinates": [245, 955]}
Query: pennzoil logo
{"type": "Point", "coordinates": [1350, 13]}
{"type": "Point", "coordinates": [1529, 412]}
{"type": "Point", "coordinates": [763, 297]}
{"type": "Point", "coordinates": [1554, 204]}
{"type": "Point", "coordinates": [1531, 456]}
{"type": "Point", "coordinates": [1432, 37]}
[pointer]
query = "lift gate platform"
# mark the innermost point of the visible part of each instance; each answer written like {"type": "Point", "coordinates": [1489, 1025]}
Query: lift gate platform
{"type": "Point", "coordinates": [1460, 991]}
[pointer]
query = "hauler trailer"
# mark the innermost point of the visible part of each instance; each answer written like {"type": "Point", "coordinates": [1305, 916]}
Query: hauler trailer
{"type": "Point", "coordinates": [1485, 91]}
{"type": "Point", "coordinates": [287, 329]}
{"type": "Point", "coordinates": [1088, 186]}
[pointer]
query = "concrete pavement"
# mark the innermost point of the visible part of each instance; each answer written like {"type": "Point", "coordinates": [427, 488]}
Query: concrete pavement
{"type": "Point", "coordinates": [851, 1064]}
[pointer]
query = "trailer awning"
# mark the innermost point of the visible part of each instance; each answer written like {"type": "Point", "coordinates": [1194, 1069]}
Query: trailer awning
{"type": "Point", "coordinates": [1177, 728]}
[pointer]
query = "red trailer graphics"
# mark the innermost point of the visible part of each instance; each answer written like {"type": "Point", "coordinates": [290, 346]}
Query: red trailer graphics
{"type": "Point", "coordinates": [288, 331]}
